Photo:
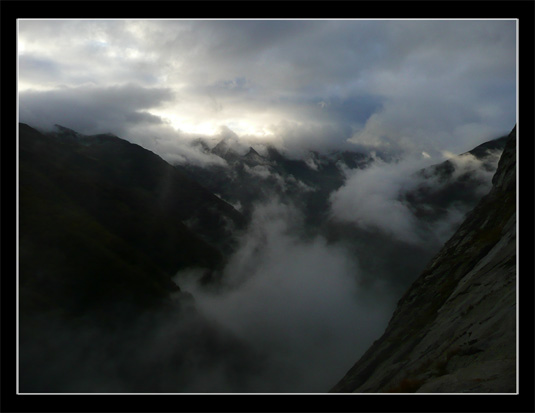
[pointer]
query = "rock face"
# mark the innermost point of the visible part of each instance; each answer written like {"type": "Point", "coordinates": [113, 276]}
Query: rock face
{"type": "Point", "coordinates": [454, 330]}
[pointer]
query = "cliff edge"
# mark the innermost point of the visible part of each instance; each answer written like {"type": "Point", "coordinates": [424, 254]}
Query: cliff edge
{"type": "Point", "coordinates": [454, 330]}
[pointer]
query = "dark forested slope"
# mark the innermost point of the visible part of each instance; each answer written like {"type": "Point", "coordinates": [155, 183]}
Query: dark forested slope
{"type": "Point", "coordinates": [103, 220]}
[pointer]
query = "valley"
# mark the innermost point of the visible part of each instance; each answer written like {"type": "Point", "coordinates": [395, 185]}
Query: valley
{"type": "Point", "coordinates": [263, 273]}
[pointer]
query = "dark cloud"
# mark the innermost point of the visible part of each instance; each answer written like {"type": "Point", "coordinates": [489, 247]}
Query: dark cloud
{"type": "Point", "coordinates": [232, 40]}
{"type": "Point", "coordinates": [92, 109]}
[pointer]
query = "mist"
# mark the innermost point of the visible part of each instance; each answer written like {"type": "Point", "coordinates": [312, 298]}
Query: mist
{"type": "Point", "coordinates": [295, 299]}
{"type": "Point", "coordinates": [293, 308]}
{"type": "Point", "coordinates": [369, 198]}
{"type": "Point", "coordinates": [374, 199]}
{"type": "Point", "coordinates": [290, 316]}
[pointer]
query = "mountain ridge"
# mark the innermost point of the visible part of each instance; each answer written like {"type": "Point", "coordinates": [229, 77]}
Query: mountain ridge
{"type": "Point", "coordinates": [138, 215]}
{"type": "Point", "coordinates": [454, 329]}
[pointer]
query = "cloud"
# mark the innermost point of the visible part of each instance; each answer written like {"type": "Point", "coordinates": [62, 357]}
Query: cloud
{"type": "Point", "coordinates": [92, 109]}
{"type": "Point", "coordinates": [416, 124]}
{"type": "Point", "coordinates": [43, 71]}
{"type": "Point", "coordinates": [122, 110]}
{"type": "Point", "coordinates": [291, 316]}
{"type": "Point", "coordinates": [404, 85]}
{"type": "Point", "coordinates": [298, 139]}
{"type": "Point", "coordinates": [483, 169]}
{"type": "Point", "coordinates": [375, 198]}
{"type": "Point", "coordinates": [295, 300]}
{"type": "Point", "coordinates": [261, 171]}
{"type": "Point", "coordinates": [445, 87]}
{"type": "Point", "coordinates": [370, 199]}
{"type": "Point", "coordinates": [176, 148]}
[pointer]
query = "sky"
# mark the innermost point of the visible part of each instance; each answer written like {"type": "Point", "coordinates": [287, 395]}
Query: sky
{"type": "Point", "coordinates": [403, 85]}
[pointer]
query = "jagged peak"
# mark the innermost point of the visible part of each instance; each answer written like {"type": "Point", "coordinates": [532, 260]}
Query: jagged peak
{"type": "Point", "coordinates": [252, 152]}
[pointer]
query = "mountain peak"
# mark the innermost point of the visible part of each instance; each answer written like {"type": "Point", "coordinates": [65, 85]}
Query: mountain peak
{"type": "Point", "coordinates": [224, 148]}
{"type": "Point", "coordinates": [273, 154]}
{"type": "Point", "coordinates": [252, 152]}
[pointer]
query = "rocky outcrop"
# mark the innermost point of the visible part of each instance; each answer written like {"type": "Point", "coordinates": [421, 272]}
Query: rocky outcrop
{"type": "Point", "coordinates": [454, 330]}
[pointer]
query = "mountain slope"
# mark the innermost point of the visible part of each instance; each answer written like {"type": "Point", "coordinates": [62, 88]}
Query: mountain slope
{"type": "Point", "coordinates": [103, 226]}
{"type": "Point", "coordinates": [457, 182]}
{"type": "Point", "coordinates": [437, 200]}
{"type": "Point", "coordinates": [103, 221]}
{"type": "Point", "coordinates": [454, 330]}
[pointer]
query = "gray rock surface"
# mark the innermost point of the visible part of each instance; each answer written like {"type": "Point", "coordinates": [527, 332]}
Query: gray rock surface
{"type": "Point", "coordinates": [454, 330]}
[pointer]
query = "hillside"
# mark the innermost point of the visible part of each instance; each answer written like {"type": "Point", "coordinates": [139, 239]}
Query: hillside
{"type": "Point", "coordinates": [454, 330]}
{"type": "Point", "coordinates": [104, 226]}
{"type": "Point", "coordinates": [105, 221]}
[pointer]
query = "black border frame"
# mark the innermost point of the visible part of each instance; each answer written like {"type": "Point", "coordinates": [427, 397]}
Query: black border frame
{"type": "Point", "coordinates": [524, 11]}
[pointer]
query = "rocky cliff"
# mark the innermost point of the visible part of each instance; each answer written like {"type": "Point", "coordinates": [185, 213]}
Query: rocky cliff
{"type": "Point", "coordinates": [454, 330]}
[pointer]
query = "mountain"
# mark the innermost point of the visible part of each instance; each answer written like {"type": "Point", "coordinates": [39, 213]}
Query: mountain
{"type": "Point", "coordinates": [441, 195]}
{"type": "Point", "coordinates": [251, 177]}
{"type": "Point", "coordinates": [104, 225]}
{"type": "Point", "coordinates": [457, 182]}
{"type": "Point", "coordinates": [254, 158]}
{"type": "Point", "coordinates": [454, 330]}
{"type": "Point", "coordinates": [105, 221]}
